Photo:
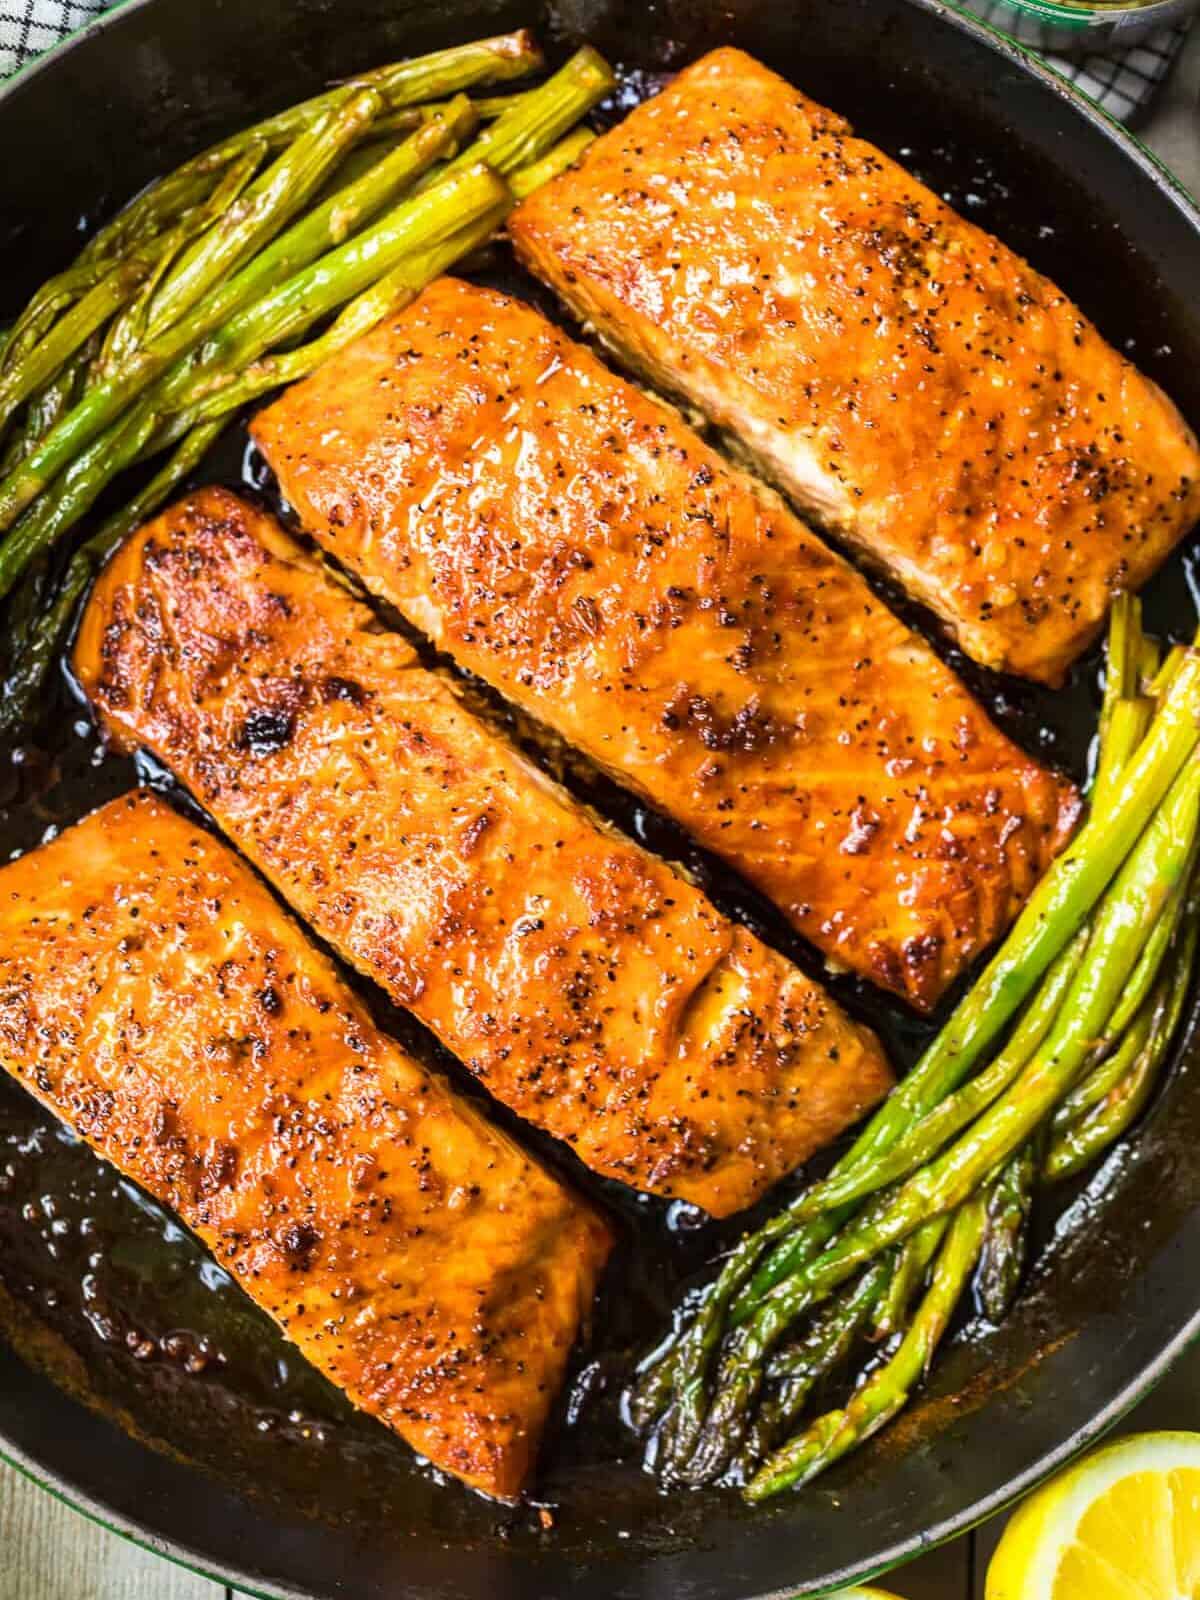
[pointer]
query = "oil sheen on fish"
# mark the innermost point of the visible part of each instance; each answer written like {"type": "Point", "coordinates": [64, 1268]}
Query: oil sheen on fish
{"type": "Point", "coordinates": [914, 384]}
{"type": "Point", "coordinates": [573, 542]}
{"type": "Point", "coordinates": [157, 999]}
{"type": "Point", "coordinates": [587, 984]}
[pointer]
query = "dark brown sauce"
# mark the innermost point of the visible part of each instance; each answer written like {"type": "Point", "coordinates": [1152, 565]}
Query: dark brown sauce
{"type": "Point", "coordinates": [168, 1340]}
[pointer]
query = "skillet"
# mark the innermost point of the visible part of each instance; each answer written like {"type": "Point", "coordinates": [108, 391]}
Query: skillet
{"type": "Point", "coordinates": [134, 1381]}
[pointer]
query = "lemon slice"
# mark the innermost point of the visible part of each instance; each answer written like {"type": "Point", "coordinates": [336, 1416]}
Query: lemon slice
{"type": "Point", "coordinates": [1122, 1525]}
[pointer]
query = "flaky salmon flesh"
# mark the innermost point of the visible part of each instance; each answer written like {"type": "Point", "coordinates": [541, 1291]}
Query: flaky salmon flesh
{"type": "Point", "coordinates": [576, 544]}
{"type": "Point", "coordinates": [916, 386]}
{"type": "Point", "coordinates": [589, 986]}
{"type": "Point", "coordinates": [155, 997]}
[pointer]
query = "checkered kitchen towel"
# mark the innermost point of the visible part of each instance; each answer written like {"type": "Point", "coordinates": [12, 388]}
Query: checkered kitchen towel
{"type": "Point", "coordinates": [1124, 83]}
{"type": "Point", "coordinates": [27, 27]}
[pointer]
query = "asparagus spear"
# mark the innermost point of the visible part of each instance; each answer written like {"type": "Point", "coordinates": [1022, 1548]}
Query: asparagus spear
{"type": "Point", "coordinates": [887, 1390]}
{"type": "Point", "coordinates": [1002, 1257]}
{"type": "Point", "coordinates": [1109, 1070]}
{"type": "Point", "coordinates": [403, 83]}
{"type": "Point", "coordinates": [300, 169]}
{"type": "Point", "coordinates": [128, 331]}
{"type": "Point", "coordinates": [436, 76]}
{"type": "Point", "coordinates": [36, 369]}
{"type": "Point", "coordinates": [271, 202]}
{"type": "Point", "coordinates": [1079, 1144]}
{"type": "Point", "coordinates": [911, 1264]}
{"type": "Point", "coordinates": [524, 180]}
{"type": "Point", "coordinates": [823, 1347]}
{"type": "Point", "coordinates": [45, 408]}
{"type": "Point", "coordinates": [518, 137]}
{"type": "Point", "coordinates": [927, 1136]}
{"type": "Point", "coordinates": [103, 404]}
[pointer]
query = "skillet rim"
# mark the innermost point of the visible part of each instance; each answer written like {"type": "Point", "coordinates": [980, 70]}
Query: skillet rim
{"type": "Point", "coordinates": [140, 1532]}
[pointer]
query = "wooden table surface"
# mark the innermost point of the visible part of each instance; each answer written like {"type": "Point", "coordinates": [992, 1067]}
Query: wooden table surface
{"type": "Point", "coordinates": [48, 1552]}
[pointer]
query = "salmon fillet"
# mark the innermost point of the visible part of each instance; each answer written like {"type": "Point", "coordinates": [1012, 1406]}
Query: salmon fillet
{"type": "Point", "coordinates": [574, 543]}
{"type": "Point", "coordinates": [916, 386]}
{"type": "Point", "coordinates": [156, 999]}
{"type": "Point", "coordinates": [587, 985]}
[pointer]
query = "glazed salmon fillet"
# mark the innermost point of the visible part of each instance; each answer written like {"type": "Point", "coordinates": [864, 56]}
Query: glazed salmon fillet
{"type": "Point", "coordinates": [583, 981]}
{"type": "Point", "coordinates": [914, 385]}
{"type": "Point", "coordinates": [155, 997]}
{"type": "Point", "coordinates": [571, 541]}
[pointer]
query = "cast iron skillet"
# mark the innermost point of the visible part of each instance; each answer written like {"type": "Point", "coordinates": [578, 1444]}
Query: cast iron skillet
{"type": "Point", "coordinates": [291, 1497]}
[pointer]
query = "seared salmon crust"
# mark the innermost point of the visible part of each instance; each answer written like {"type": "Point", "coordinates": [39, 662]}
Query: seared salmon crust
{"type": "Point", "coordinates": [588, 985]}
{"type": "Point", "coordinates": [914, 384]}
{"type": "Point", "coordinates": [156, 998]}
{"type": "Point", "coordinates": [575, 544]}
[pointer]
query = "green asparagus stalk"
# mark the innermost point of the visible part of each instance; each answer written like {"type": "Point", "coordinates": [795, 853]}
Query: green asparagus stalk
{"type": "Point", "coordinates": [273, 270]}
{"type": "Point", "coordinates": [1078, 1145]}
{"type": "Point", "coordinates": [887, 1390]}
{"type": "Point", "coordinates": [912, 1259]}
{"type": "Point", "coordinates": [134, 275]}
{"type": "Point", "coordinates": [538, 121]}
{"type": "Point", "coordinates": [927, 1136]}
{"type": "Point", "coordinates": [404, 120]}
{"type": "Point", "coordinates": [271, 202]}
{"type": "Point", "coordinates": [524, 180]}
{"type": "Point", "coordinates": [300, 168]}
{"type": "Point", "coordinates": [129, 331]}
{"type": "Point", "coordinates": [24, 377]}
{"type": "Point", "coordinates": [824, 1346]}
{"type": "Point", "coordinates": [48, 405]}
{"type": "Point", "coordinates": [405, 83]}
{"type": "Point", "coordinates": [1097, 1083]}
{"type": "Point", "coordinates": [1165, 676]}
{"type": "Point", "coordinates": [436, 76]}
{"type": "Point", "coordinates": [1002, 1257]}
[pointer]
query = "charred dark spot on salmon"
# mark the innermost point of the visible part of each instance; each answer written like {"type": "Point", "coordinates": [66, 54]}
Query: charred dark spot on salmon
{"type": "Point", "coordinates": [335, 688]}
{"type": "Point", "coordinates": [271, 1000]}
{"type": "Point", "coordinates": [264, 732]}
{"type": "Point", "coordinates": [300, 1243]}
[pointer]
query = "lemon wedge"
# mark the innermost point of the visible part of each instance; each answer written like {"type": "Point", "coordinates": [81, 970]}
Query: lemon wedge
{"type": "Point", "coordinates": [1124, 1524]}
{"type": "Point", "coordinates": [863, 1594]}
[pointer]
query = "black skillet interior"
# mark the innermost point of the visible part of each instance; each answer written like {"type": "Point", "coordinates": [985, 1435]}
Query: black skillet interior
{"type": "Point", "coordinates": [102, 1292]}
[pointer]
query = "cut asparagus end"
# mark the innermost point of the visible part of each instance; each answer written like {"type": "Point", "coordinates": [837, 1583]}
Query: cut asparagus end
{"type": "Point", "coordinates": [543, 116]}
{"type": "Point", "coordinates": [556, 161]}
